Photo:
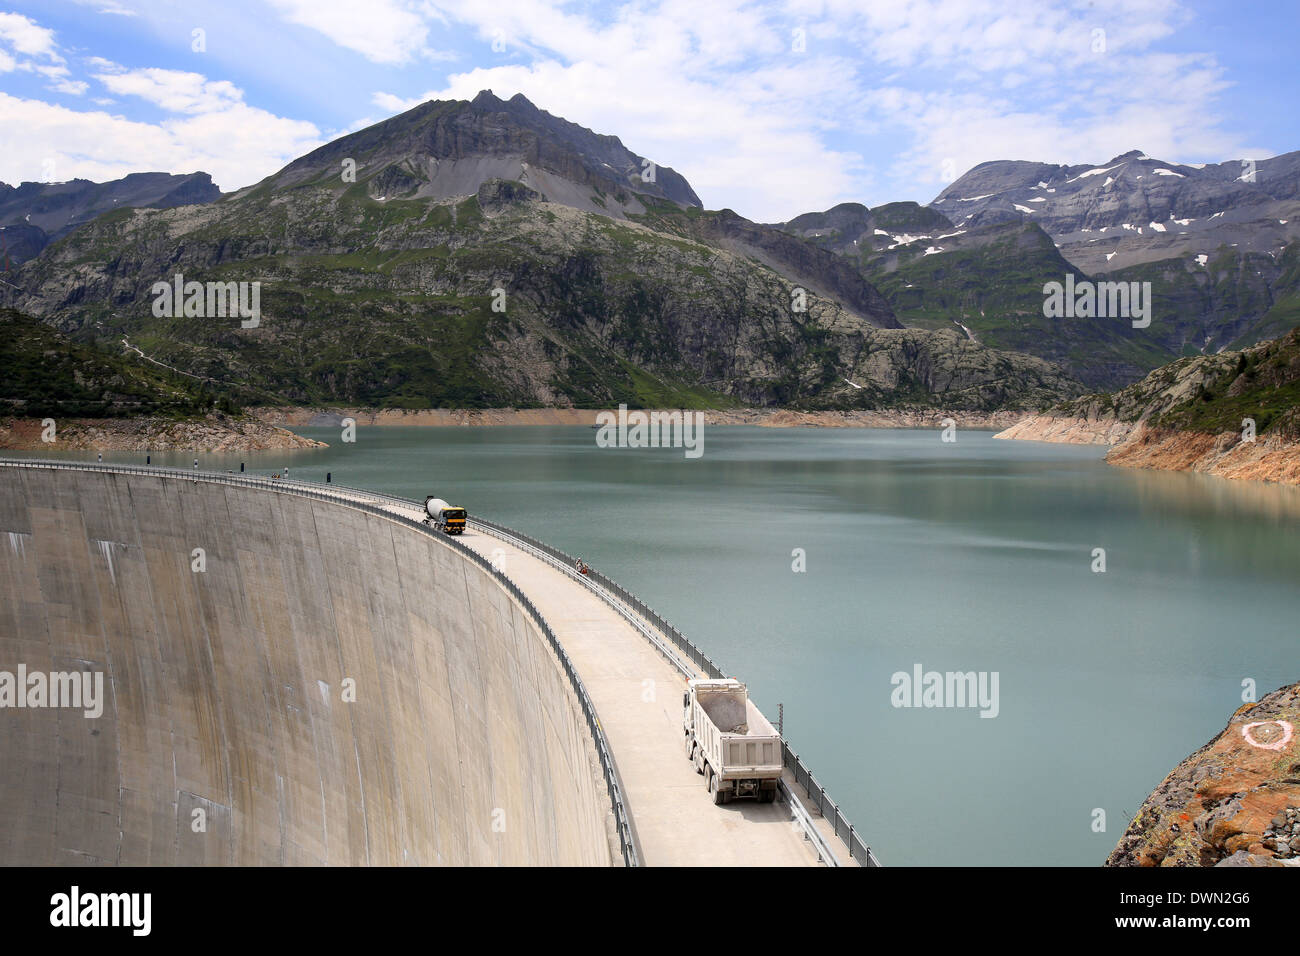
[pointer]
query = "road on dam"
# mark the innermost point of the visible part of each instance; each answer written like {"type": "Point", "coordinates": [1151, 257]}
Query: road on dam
{"type": "Point", "coordinates": [223, 690]}
{"type": "Point", "coordinates": [637, 693]}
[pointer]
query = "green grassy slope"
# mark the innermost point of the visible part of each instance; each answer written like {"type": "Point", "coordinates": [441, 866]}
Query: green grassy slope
{"type": "Point", "coordinates": [43, 373]}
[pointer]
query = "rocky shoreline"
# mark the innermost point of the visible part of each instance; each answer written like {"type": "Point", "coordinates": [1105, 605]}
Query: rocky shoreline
{"type": "Point", "coordinates": [764, 417]}
{"type": "Point", "coordinates": [1235, 802]}
{"type": "Point", "coordinates": [214, 433]}
{"type": "Point", "coordinates": [1073, 431]}
{"type": "Point", "coordinates": [1137, 445]}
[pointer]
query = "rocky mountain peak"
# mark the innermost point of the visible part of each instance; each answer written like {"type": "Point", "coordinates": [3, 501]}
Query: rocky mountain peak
{"type": "Point", "coordinates": [444, 149]}
{"type": "Point", "coordinates": [1135, 208]}
{"type": "Point", "coordinates": [32, 215]}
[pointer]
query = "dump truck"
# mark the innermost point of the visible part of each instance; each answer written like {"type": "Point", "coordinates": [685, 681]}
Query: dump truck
{"type": "Point", "coordinates": [446, 518]}
{"type": "Point", "coordinates": [730, 741]}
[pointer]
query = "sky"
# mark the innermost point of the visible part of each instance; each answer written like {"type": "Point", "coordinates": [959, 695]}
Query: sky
{"type": "Point", "coordinates": [771, 109]}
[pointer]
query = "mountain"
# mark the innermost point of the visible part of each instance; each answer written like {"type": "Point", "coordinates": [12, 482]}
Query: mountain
{"type": "Point", "coordinates": [43, 373]}
{"type": "Point", "coordinates": [1212, 393]}
{"type": "Point", "coordinates": [1219, 244]}
{"type": "Point", "coordinates": [448, 148]}
{"type": "Point", "coordinates": [988, 281]}
{"type": "Point", "coordinates": [444, 150]}
{"type": "Point", "coordinates": [852, 229]}
{"type": "Point", "coordinates": [1233, 414]}
{"type": "Point", "coordinates": [101, 399]}
{"type": "Point", "coordinates": [488, 254]}
{"type": "Point", "coordinates": [1133, 208]}
{"type": "Point", "coordinates": [33, 215]}
{"type": "Point", "coordinates": [985, 281]}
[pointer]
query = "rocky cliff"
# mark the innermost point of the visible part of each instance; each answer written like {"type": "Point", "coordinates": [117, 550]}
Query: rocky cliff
{"type": "Point", "coordinates": [1234, 415]}
{"type": "Point", "coordinates": [1235, 802]}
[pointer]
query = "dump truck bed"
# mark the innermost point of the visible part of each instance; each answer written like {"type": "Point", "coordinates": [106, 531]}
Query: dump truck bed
{"type": "Point", "coordinates": [738, 742]}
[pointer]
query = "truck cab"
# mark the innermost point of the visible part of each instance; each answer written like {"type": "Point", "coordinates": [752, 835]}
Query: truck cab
{"type": "Point", "coordinates": [448, 519]}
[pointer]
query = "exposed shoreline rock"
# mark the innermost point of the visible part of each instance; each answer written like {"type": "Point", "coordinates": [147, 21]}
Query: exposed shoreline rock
{"type": "Point", "coordinates": [1138, 445]}
{"type": "Point", "coordinates": [214, 433]}
{"type": "Point", "coordinates": [1234, 802]}
{"type": "Point", "coordinates": [1194, 414]}
{"type": "Point", "coordinates": [1268, 458]}
{"type": "Point", "coordinates": [1074, 431]}
{"type": "Point", "coordinates": [766, 417]}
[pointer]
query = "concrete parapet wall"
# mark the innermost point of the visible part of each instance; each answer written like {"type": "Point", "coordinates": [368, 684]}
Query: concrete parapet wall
{"type": "Point", "coordinates": [224, 688]}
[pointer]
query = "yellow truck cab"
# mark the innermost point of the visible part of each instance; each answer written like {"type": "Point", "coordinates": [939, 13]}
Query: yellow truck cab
{"type": "Point", "coordinates": [448, 519]}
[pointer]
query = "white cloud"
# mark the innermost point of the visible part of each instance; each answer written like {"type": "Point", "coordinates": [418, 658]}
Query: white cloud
{"type": "Point", "coordinates": [720, 96]}
{"type": "Point", "coordinates": [238, 145]}
{"type": "Point", "coordinates": [108, 6]}
{"type": "Point", "coordinates": [39, 52]}
{"type": "Point", "coordinates": [28, 37]}
{"type": "Point", "coordinates": [886, 100]}
{"type": "Point", "coordinates": [384, 31]}
{"type": "Point", "coordinates": [103, 65]}
{"type": "Point", "coordinates": [71, 87]}
{"type": "Point", "coordinates": [174, 90]}
{"type": "Point", "coordinates": [208, 125]}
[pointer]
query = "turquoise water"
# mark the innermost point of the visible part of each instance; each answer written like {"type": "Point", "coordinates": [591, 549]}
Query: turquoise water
{"type": "Point", "coordinates": [970, 556]}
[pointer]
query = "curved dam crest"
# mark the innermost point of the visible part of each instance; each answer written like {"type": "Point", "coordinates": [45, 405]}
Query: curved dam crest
{"type": "Point", "coordinates": [225, 688]}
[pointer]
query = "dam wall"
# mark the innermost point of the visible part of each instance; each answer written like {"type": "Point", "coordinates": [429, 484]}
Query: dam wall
{"type": "Point", "coordinates": [321, 686]}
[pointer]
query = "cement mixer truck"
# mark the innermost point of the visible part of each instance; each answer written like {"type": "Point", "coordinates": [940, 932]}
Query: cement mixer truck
{"type": "Point", "coordinates": [730, 741]}
{"type": "Point", "coordinates": [446, 518]}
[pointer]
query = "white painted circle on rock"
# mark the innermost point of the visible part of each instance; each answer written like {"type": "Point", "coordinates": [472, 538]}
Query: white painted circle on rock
{"type": "Point", "coordinates": [1287, 732]}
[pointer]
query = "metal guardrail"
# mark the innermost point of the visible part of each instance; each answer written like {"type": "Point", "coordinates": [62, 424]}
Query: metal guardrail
{"type": "Point", "coordinates": [858, 847]}
{"type": "Point", "coordinates": [693, 653]}
{"type": "Point", "coordinates": [817, 794]}
{"type": "Point", "coordinates": [626, 835]}
{"type": "Point", "coordinates": [614, 594]}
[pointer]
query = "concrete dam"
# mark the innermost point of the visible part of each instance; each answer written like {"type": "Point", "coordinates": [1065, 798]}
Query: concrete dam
{"type": "Point", "coordinates": [301, 674]}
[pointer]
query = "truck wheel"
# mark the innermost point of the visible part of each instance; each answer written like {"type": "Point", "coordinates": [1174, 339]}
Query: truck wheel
{"type": "Point", "coordinates": [690, 749]}
{"type": "Point", "coordinates": [767, 796]}
{"type": "Point", "coordinates": [719, 795]}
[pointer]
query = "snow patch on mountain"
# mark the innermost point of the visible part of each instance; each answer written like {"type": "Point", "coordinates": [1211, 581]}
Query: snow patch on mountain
{"type": "Point", "coordinates": [1094, 172]}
